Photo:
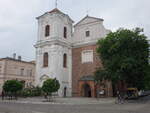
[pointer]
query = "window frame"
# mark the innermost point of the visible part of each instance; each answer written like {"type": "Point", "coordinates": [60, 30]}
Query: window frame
{"type": "Point", "coordinates": [82, 56]}
{"type": "Point", "coordinates": [22, 71]}
{"type": "Point", "coordinates": [47, 30]}
{"type": "Point", "coordinates": [65, 32]}
{"type": "Point", "coordinates": [45, 59]}
{"type": "Point", "coordinates": [64, 60]}
{"type": "Point", "coordinates": [87, 33]}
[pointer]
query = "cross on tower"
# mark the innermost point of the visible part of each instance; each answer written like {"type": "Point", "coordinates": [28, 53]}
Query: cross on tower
{"type": "Point", "coordinates": [56, 3]}
{"type": "Point", "coordinates": [87, 12]}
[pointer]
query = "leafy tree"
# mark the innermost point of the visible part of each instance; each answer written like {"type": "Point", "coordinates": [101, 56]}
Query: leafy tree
{"type": "Point", "coordinates": [101, 75]}
{"type": "Point", "coordinates": [124, 55]}
{"type": "Point", "coordinates": [12, 87]}
{"type": "Point", "coordinates": [147, 79]}
{"type": "Point", "coordinates": [50, 86]}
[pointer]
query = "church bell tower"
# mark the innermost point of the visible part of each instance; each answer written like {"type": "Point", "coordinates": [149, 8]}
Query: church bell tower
{"type": "Point", "coordinates": [53, 50]}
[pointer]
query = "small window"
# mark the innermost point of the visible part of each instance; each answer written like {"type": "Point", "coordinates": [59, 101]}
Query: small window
{"type": "Point", "coordinates": [47, 30]}
{"type": "Point", "coordinates": [87, 56]}
{"type": "Point", "coordinates": [22, 72]}
{"type": "Point", "coordinates": [65, 32]}
{"type": "Point", "coordinates": [65, 60]}
{"type": "Point", "coordinates": [31, 72]}
{"type": "Point", "coordinates": [87, 33]}
{"type": "Point", "coordinates": [45, 60]}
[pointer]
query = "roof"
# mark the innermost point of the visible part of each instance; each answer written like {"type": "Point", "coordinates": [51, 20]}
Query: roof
{"type": "Point", "coordinates": [87, 78]}
{"type": "Point", "coordinates": [12, 59]}
{"type": "Point", "coordinates": [56, 10]}
{"type": "Point", "coordinates": [88, 17]}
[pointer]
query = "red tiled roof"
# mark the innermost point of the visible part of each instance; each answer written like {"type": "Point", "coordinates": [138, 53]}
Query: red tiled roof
{"type": "Point", "coordinates": [55, 10]}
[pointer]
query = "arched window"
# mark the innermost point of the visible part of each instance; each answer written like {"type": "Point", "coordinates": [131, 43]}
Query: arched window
{"type": "Point", "coordinates": [45, 60]}
{"type": "Point", "coordinates": [47, 30]}
{"type": "Point", "coordinates": [65, 60]}
{"type": "Point", "coordinates": [65, 32]}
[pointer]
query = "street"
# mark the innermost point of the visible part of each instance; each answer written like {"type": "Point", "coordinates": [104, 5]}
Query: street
{"type": "Point", "coordinates": [133, 106]}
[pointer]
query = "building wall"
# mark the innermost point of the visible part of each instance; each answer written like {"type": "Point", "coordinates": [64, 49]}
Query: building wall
{"type": "Point", "coordinates": [55, 45]}
{"type": "Point", "coordinates": [11, 70]}
{"type": "Point", "coordinates": [96, 28]}
{"type": "Point", "coordinates": [2, 70]}
{"type": "Point", "coordinates": [55, 67]}
{"type": "Point", "coordinates": [81, 43]}
{"type": "Point", "coordinates": [80, 69]}
{"type": "Point", "coordinates": [77, 42]}
{"type": "Point", "coordinates": [57, 23]}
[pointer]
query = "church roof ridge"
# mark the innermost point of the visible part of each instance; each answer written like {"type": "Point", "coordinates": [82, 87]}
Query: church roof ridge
{"type": "Point", "coordinates": [87, 16]}
{"type": "Point", "coordinates": [55, 10]}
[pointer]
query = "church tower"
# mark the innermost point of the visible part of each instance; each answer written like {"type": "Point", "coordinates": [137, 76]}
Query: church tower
{"type": "Point", "coordinates": [53, 50]}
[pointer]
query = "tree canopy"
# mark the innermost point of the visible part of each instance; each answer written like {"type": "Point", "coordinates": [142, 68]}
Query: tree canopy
{"type": "Point", "coordinates": [12, 86]}
{"type": "Point", "coordinates": [124, 56]}
{"type": "Point", "coordinates": [50, 86]}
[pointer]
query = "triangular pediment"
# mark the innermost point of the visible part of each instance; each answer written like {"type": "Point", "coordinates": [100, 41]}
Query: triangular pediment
{"type": "Point", "coordinates": [88, 19]}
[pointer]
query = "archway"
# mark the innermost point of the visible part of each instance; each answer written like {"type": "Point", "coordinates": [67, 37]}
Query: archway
{"type": "Point", "coordinates": [65, 91]}
{"type": "Point", "coordinates": [43, 78]}
{"type": "Point", "coordinates": [87, 90]}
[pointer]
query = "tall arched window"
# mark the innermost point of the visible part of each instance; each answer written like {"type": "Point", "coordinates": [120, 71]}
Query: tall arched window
{"type": "Point", "coordinates": [65, 60]}
{"type": "Point", "coordinates": [47, 30]}
{"type": "Point", "coordinates": [45, 60]}
{"type": "Point", "coordinates": [65, 32]}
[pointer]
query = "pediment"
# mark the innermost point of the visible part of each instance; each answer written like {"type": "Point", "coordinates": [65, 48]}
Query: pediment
{"type": "Point", "coordinates": [88, 19]}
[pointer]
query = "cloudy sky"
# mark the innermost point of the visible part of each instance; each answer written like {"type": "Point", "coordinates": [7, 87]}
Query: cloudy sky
{"type": "Point", "coordinates": [18, 26]}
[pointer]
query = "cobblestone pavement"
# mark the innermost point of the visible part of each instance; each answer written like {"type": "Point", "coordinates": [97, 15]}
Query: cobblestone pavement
{"type": "Point", "coordinates": [70, 101]}
{"type": "Point", "coordinates": [75, 105]}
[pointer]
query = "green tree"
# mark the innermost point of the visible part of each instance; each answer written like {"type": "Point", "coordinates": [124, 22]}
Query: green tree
{"type": "Point", "coordinates": [50, 86]}
{"type": "Point", "coordinates": [124, 55]}
{"type": "Point", "coordinates": [12, 87]}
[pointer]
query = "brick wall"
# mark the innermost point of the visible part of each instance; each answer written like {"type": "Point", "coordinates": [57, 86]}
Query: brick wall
{"type": "Point", "coordinates": [80, 69]}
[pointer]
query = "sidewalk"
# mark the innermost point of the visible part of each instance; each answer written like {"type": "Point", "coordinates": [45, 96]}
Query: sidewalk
{"type": "Point", "coordinates": [68, 101]}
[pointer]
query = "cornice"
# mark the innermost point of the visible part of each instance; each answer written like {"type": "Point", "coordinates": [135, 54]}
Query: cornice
{"type": "Point", "coordinates": [83, 44]}
{"type": "Point", "coordinates": [52, 42]}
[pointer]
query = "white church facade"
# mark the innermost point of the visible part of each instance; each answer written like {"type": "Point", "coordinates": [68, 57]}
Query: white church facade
{"type": "Point", "coordinates": [67, 52]}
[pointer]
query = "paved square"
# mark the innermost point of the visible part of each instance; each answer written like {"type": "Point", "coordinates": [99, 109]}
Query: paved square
{"type": "Point", "coordinates": [75, 105]}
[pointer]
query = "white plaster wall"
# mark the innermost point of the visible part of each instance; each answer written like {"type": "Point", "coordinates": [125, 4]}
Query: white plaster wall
{"type": "Point", "coordinates": [57, 23]}
{"type": "Point", "coordinates": [95, 27]}
{"type": "Point", "coordinates": [55, 68]}
{"type": "Point", "coordinates": [55, 50]}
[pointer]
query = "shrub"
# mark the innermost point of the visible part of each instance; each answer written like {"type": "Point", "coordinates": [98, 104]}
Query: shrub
{"type": "Point", "coordinates": [31, 92]}
{"type": "Point", "coordinates": [50, 86]}
{"type": "Point", "coordinates": [12, 87]}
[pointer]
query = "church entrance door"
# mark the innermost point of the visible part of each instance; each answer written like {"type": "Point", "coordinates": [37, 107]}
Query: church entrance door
{"type": "Point", "coordinates": [87, 91]}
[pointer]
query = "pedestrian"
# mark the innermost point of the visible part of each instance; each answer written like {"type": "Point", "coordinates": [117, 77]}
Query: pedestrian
{"type": "Point", "coordinates": [45, 95]}
{"type": "Point", "coordinates": [122, 97]}
{"type": "Point", "coordinates": [3, 95]}
{"type": "Point", "coordinates": [118, 97]}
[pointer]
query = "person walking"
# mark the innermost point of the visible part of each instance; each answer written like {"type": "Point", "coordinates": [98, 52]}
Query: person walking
{"type": "Point", "coordinates": [3, 95]}
{"type": "Point", "coordinates": [118, 97]}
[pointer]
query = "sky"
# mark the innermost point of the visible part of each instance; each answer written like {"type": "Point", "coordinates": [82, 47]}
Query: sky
{"type": "Point", "coordinates": [18, 24]}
